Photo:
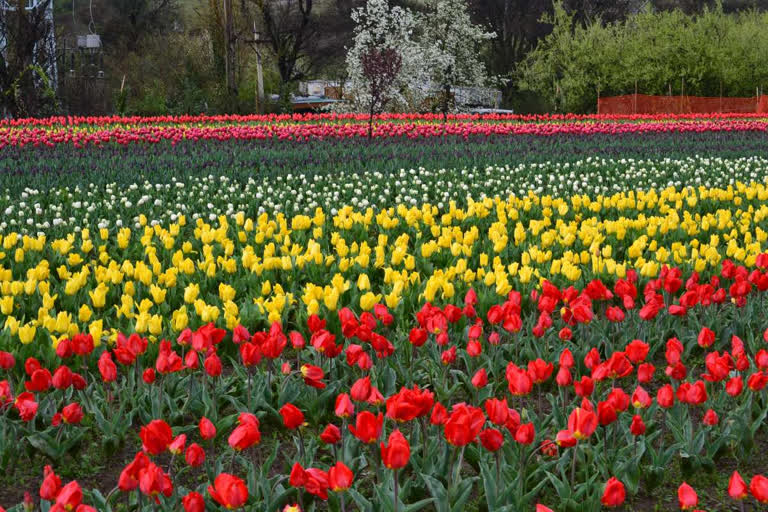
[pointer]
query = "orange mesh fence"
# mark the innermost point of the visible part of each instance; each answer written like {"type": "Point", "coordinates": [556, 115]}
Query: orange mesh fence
{"type": "Point", "coordinates": [644, 104]}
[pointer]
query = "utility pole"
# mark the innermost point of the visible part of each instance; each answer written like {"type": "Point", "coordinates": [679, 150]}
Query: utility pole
{"type": "Point", "coordinates": [229, 59]}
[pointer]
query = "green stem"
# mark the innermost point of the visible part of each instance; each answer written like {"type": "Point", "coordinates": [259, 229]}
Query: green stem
{"type": "Point", "coordinates": [396, 491]}
{"type": "Point", "coordinates": [573, 465]}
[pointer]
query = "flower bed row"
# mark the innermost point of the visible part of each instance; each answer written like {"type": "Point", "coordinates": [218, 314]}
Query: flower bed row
{"type": "Point", "coordinates": [89, 121]}
{"type": "Point", "coordinates": [564, 398]}
{"type": "Point", "coordinates": [155, 133]}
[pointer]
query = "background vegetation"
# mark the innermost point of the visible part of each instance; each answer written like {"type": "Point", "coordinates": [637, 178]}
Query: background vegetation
{"type": "Point", "coordinates": [168, 56]}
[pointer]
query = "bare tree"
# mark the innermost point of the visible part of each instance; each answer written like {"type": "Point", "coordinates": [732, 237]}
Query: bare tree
{"type": "Point", "coordinates": [126, 23]}
{"type": "Point", "coordinates": [25, 58]}
{"type": "Point", "coordinates": [380, 68]}
{"type": "Point", "coordinates": [288, 27]}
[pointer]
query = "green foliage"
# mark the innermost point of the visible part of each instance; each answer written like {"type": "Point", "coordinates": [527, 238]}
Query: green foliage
{"type": "Point", "coordinates": [708, 54]}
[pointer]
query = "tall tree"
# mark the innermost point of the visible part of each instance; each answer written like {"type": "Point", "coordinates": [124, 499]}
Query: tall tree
{"type": "Point", "coordinates": [289, 26]}
{"type": "Point", "coordinates": [383, 28]}
{"type": "Point", "coordinates": [126, 23]}
{"type": "Point", "coordinates": [25, 57]}
{"type": "Point", "coordinates": [518, 27]}
{"type": "Point", "coordinates": [451, 45]}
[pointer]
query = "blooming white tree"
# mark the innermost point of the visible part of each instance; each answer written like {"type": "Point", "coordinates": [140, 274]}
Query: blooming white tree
{"type": "Point", "coordinates": [450, 46]}
{"type": "Point", "coordinates": [383, 28]}
{"type": "Point", "coordinates": [438, 49]}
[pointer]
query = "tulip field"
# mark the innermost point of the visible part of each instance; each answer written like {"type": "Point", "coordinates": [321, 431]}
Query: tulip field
{"type": "Point", "coordinates": [487, 313]}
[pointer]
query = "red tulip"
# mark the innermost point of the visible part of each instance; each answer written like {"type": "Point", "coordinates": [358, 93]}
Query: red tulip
{"type": "Point", "coordinates": [542, 508]}
{"type": "Point", "coordinates": [129, 477]}
{"type": "Point", "coordinates": [665, 397]}
{"type": "Point", "coordinates": [313, 376]}
{"type": "Point", "coordinates": [40, 380]}
{"type": "Point", "coordinates": [195, 455]}
{"type": "Point", "coordinates": [539, 370]}
{"type": "Point", "coordinates": [637, 428]}
{"type": "Point", "coordinates": [565, 439]}
{"type": "Point", "coordinates": [7, 361]}
{"type": "Point", "coordinates": [155, 437]}
{"type": "Point", "coordinates": [439, 415]}
{"type": "Point", "coordinates": [737, 489]}
{"type": "Point", "coordinates": [706, 337]}
{"type": "Point", "coordinates": [51, 485]}
{"type": "Point", "coordinates": [361, 389]}
{"type": "Point", "coordinates": [153, 481]}
{"type": "Point", "coordinates": [463, 424]}
{"type": "Point", "coordinates": [244, 436]}
{"type": "Point", "coordinates": [687, 497]}
{"type": "Point", "coordinates": [641, 399]}
{"type": "Point", "coordinates": [5, 392]}
{"type": "Point", "coordinates": [480, 379]}
{"type": "Point", "coordinates": [757, 381]}
{"type": "Point", "coordinates": [317, 483]}
{"type": "Point", "coordinates": [178, 444]}
{"type": "Point", "coordinates": [582, 423]}
{"type": "Point", "coordinates": [193, 502]}
{"type": "Point", "coordinates": [107, 367]}
{"type": "Point", "coordinates": [584, 387]}
{"type": "Point", "coordinates": [637, 351]}
{"type": "Point", "coordinates": [293, 418]}
{"type": "Point", "coordinates": [409, 404]}
{"type": "Point", "coordinates": [606, 413]}
{"type": "Point", "coordinates": [331, 434]}
{"type": "Point", "coordinates": [614, 493]}
{"type": "Point", "coordinates": [418, 337]}
{"type": "Point", "coordinates": [82, 344]}
{"type": "Point", "coordinates": [525, 434]}
{"type": "Point", "coordinates": [340, 477]}
{"type": "Point", "coordinates": [448, 356]}
{"type": "Point", "coordinates": [710, 418]}
{"type": "Point", "coordinates": [367, 427]}
{"type": "Point", "coordinates": [26, 405]}
{"type": "Point", "coordinates": [298, 476]}
{"type": "Point", "coordinates": [618, 399]}
{"type": "Point", "coordinates": [759, 488]}
{"type": "Point", "coordinates": [614, 314]}
{"type": "Point", "coordinates": [645, 373]}
{"type": "Point", "coordinates": [212, 365]}
{"type": "Point", "coordinates": [72, 414]}
{"type": "Point", "coordinates": [344, 406]}
{"type": "Point", "coordinates": [228, 491]}
{"type": "Point", "coordinates": [148, 376]}
{"type": "Point", "coordinates": [396, 454]}
{"type": "Point", "coordinates": [519, 381]}
{"type": "Point", "coordinates": [563, 377]}
{"type": "Point", "coordinates": [491, 439]}
{"type": "Point", "coordinates": [62, 377]}
{"type": "Point", "coordinates": [70, 496]}
{"type": "Point", "coordinates": [207, 429]}
{"type": "Point", "coordinates": [497, 411]}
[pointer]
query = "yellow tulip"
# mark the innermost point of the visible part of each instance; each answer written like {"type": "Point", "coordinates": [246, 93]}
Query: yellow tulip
{"type": "Point", "coordinates": [368, 300]}
{"type": "Point", "coordinates": [6, 305]}
{"type": "Point", "coordinates": [84, 314]}
{"type": "Point", "coordinates": [27, 333]}
{"type": "Point", "coordinates": [191, 292]}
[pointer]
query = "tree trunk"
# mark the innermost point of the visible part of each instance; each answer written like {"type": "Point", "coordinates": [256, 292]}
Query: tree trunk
{"type": "Point", "coordinates": [229, 48]}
